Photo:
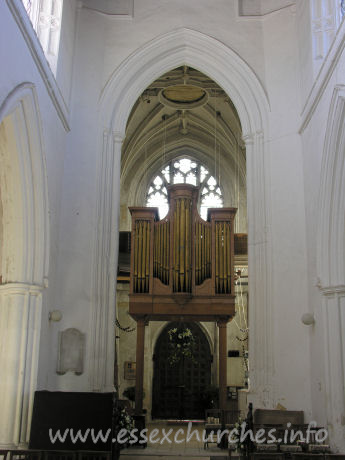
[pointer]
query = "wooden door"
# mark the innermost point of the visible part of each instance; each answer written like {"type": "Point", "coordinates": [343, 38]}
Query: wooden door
{"type": "Point", "coordinates": [178, 388]}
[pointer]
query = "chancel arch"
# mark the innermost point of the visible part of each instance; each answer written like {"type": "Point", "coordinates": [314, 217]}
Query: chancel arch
{"type": "Point", "coordinates": [167, 157]}
{"type": "Point", "coordinates": [179, 48]}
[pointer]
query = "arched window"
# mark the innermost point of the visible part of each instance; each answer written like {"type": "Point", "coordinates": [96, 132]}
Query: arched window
{"type": "Point", "coordinates": [184, 171]}
{"type": "Point", "coordinates": [326, 18]}
{"type": "Point", "coordinates": [45, 16]}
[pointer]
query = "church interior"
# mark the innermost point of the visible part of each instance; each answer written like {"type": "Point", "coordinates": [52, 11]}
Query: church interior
{"type": "Point", "coordinates": [172, 221]}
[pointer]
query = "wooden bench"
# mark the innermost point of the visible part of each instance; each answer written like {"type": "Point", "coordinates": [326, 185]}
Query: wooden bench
{"type": "Point", "coordinates": [277, 417]}
{"type": "Point", "coordinates": [290, 433]}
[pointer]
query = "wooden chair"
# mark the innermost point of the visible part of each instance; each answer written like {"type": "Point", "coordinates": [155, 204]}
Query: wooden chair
{"type": "Point", "coordinates": [212, 425]}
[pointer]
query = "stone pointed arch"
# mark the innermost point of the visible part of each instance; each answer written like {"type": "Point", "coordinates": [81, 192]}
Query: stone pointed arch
{"type": "Point", "coordinates": [331, 264]}
{"type": "Point", "coordinates": [24, 197]}
{"type": "Point", "coordinates": [331, 257]}
{"type": "Point", "coordinates": [176, 48]}
{"type": "Point", "coordinates": [25, 165]}
{"type": "Point", "coordinates": [216, 60]}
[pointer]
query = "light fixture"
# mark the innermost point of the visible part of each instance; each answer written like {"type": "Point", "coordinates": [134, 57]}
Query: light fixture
{"type": "Point", "coordinates": [308, 319]}
{"type": "Point", "coordinates": [55, 316]}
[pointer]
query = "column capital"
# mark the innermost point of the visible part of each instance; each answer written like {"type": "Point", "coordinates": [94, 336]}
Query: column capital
{"type": "Point", "coordinates": [21, 288]}
{"type": "Point", "coordinates": [118, 137]}
{"type": "Point", "coordinates": [332, 290]}
{"type": "Point", "coordinates": [222, 322]}
{"type": "Point", "coordinates": [142, 321]}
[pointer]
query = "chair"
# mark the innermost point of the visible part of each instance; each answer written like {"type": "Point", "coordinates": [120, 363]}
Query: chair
{"type": "Point", "coordinates": [212, 425]}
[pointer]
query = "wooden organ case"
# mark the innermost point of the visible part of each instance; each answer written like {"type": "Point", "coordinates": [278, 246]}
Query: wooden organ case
{"type": "Point", "coordinates": [182, 265]}
{"type": "Point", "coordinates": [182, 269]}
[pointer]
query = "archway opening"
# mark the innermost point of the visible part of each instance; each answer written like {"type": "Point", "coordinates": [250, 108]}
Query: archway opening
{"type": "Point", "coordinates": [184, 115]}
{"type": "Point", "coordinates": [181, 380]}
{"type": "Point", "coordinates": [23, 258]}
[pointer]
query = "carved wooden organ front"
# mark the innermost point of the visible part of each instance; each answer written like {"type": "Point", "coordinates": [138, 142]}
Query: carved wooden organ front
{"type": "Point", "coordinates": [182, 266]}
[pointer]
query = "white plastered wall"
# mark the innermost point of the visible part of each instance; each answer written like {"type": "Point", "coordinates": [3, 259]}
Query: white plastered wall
{"type": "Point", "coordinates": [322, 134]}
{"type": "Point", "coordinates": [34, 125]}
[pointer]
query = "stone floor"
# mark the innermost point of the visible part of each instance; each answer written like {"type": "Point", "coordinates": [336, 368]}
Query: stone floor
{"type": "Point", "coordinates": [163, 449]}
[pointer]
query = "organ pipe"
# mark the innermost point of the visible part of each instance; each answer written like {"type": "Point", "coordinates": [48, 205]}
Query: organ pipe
{"type": "Point", "coordinates": [182, 251]}
{"type": "Point", "coordinates": [141, 265]}
{"type": "Point", "coordinates": [161, 252]}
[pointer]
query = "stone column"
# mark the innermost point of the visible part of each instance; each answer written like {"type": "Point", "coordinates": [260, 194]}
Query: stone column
{"type": "Point", "coordinates": [261, 348]}
{"type": "Point", "coordinates": [139, 377]}
{"type": "Point", "coordinates": [20, 325]}
{"type": "Point", "coordinates": [105, 266]}
{"type": "Point", "coordinates": [334, 327]}
{"type": "Point", "coordinates": [222, 363]}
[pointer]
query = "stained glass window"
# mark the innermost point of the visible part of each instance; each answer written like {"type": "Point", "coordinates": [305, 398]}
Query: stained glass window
{"type": "Point", "coordinates": [184, 171]}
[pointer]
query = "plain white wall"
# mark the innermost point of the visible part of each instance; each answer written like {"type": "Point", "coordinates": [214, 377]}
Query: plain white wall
{"type": "Point", "coordinates": [19, 67]}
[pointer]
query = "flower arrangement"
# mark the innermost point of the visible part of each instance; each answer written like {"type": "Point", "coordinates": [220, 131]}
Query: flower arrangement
{"type": "Point", "coordinates": [237, 436]}
{"type": "Point", "coordinates": [125, 421]}
{"type": "Point", "coordinates": [181, 344]}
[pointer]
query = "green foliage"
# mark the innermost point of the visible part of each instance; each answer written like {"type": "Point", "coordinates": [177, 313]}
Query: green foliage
{"type": "Point", "coordinates": [181, 345]}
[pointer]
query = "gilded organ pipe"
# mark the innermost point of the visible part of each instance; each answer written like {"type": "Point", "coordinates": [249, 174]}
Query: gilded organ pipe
{"type": "Point", "coordinates": [186, 250]}
{"type": "Point", "coordinates": [161, 252]}
{"type": "Point", "coordinates": [141, 269]}
{"type": "Point", "coordinates": [223, 257]}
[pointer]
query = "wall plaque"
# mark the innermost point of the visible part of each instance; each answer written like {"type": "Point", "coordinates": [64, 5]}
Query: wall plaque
{"type": "Point", "coordinates": [71, 352]}
{"type": "Point", "coordinates": [130, 368]}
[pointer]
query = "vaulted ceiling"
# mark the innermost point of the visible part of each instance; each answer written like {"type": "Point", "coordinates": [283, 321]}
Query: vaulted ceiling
{"type": "Point", "coordinates": [183, 113]}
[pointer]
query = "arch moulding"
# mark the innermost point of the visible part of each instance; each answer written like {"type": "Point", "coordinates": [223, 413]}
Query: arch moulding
{"type": "Point", "coordinates": [331, 250]}
{"type": "Point", "coordinates": [28, 169]}
{"type": "Point", "coordinates": [24, 195]}
{"type": "Point", "coordinates": [128, 81]}
{"type": "Point", "coordinates": [331, 270]}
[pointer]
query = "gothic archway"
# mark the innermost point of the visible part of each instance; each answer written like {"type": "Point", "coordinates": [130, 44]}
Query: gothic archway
{"type": "Point", "coordinates": [331, 264]}
{"type": "Point", "coordinates": [178, 388]}
{"type": "Point", "coordinates": [206, 54]}
{"type": "Point", "coordinates": [24, 259]}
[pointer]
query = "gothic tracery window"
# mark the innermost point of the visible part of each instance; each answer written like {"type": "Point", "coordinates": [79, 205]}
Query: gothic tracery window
{"type": "Point", "coordinates": [326, 18]}
{"type": "Point", "coordinates": [184, 171]}
{"type": "Point", "coordinates": [45, 16]}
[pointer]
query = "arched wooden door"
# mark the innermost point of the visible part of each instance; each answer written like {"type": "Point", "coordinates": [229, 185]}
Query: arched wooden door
{"type": "Point", "coordinates": [178, 388]}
